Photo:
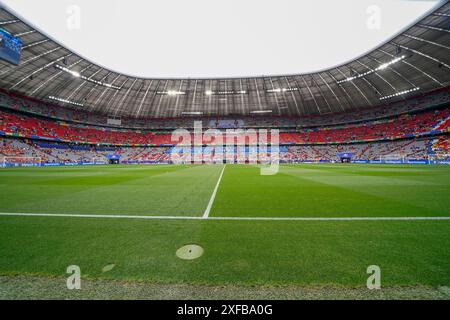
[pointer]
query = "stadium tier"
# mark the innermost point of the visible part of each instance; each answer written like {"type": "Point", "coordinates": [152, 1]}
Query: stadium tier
{"type": "Point", "coordinates": [416, 131]}
{"type": "Point", "coordinates": [35, 107]}
{"type": "Point", "coordinates": [429, 119]}
{"type": "Point", "coordinates": [409, 150]}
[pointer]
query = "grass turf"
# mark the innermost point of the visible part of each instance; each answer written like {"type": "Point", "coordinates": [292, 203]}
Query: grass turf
{"type": "Point", "coordinates": [307, 253]}
{"type": "Point", "coordinates": [138, 190]}
{"type": "Point", "coordinates": [335, 191]}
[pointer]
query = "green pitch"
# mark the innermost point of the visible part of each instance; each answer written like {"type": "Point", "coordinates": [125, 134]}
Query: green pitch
{"type": "Point", "coordinates": [248, 252]}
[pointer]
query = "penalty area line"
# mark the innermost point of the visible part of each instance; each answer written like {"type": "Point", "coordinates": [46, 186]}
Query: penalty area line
{"type": "Point", "coordinates": [113, 216]}
{"type": "Point", "coordinates": [213, 196]}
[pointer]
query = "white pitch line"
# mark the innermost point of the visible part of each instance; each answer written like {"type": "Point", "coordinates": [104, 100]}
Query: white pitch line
{"type": "Point", "coordinates": [213, 196]}
{"type": "Point", "coordinates": [112, 216]}
{"type": "Point", "coordinates": [108, 216]}
{"type": "Point", "coordinates": [330, 218]}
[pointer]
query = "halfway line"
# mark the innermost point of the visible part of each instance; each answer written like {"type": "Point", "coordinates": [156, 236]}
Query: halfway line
{"type": "Point", "coordinates": [112, 216]}
{"type": "Point", "coordinates": [213, 196]}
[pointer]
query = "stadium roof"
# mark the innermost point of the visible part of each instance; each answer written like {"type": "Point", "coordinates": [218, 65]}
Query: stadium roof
{"type": "Point", "coordinates": [416, 61]}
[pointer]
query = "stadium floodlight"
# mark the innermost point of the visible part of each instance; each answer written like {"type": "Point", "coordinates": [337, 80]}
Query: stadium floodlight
{"type": "Point", "coordinates": [171, 92]}
{"type": "Point", "coordinates": [224, 93]}
{"type": "Point", "coordinates": [174, 93]}
{"type": "Point", "coordinates": [73, 73]}
{"type": "Point", "coordinates": [399, 93]}
{"type": "Point", "coordinates": [387, 64]}
{"type": "Point", "coordinates": [108, 85]}
{"type": "Point", "coordinates": [261, 111]}
{"type": "Point", "coordinates": [192, 113]}
{"type": "Point", "coordinates": [66, 101]}
{"type": "Point", "coordinates": [278, 90]}
{"type": "Point", "coordinates": [379, 68]}
{"type": "Point", "coordinates": [78, 75]}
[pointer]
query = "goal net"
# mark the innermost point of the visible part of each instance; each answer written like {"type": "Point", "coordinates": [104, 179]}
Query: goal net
{"type": "Point", "coordinates": [392, 158]}
{"type": "Point", "coordinates": [7, 162]}
{"type": "Point", "coordinates": [99, 160]}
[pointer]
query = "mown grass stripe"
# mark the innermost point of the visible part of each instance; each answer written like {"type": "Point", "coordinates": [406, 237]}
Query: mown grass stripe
{"type": "Point", "coordinates": [108, 216]}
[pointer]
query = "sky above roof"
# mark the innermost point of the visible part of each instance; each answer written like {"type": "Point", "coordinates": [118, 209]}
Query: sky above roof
{"type": "Point", "coordinates": [220, 38]}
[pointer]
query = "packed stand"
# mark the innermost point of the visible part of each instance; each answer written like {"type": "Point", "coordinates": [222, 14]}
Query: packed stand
{"type": "Point", "coordinates": [403, 126]}
{"type": "Point", "coordinates": [83, 116]}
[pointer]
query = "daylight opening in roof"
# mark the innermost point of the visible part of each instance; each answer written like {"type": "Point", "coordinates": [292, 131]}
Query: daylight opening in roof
{"type": "Point", "coordinates": [204, 38]}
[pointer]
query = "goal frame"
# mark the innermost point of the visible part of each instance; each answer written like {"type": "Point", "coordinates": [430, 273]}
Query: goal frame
{"type": "Point", "coordinates": [22, 161]}
{"type": "Point", "coordinates": [392, 158]}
